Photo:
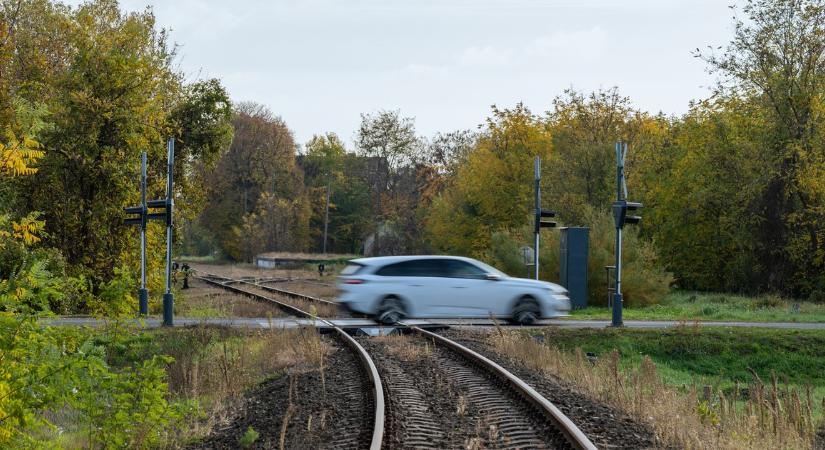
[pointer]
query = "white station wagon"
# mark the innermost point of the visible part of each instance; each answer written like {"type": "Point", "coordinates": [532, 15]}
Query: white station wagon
{"type": "Point", "coordinates": [391, 288]}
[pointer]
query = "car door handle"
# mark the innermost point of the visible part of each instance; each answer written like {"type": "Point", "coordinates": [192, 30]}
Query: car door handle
{"type": "Point", "coordinates": [459, 287]}
{"type": "Point", "coordinates": [416, 285]}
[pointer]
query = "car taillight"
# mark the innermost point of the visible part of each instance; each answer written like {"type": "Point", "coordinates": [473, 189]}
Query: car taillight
{"type": "Point", "coordinates": [354, 281]}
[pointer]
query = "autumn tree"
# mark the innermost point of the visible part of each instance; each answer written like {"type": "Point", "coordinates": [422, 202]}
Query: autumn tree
{"type": "Point", "coordinates": [261, 160]}
{"type": "Point", "coordinates": [328, 166]}
{"type": "Point", "coordinates": [776, 62]}
{"type": "Point", "coordinates": [581, 172]}
{"type": "Point", "coordinates": [102, 83]}
{"type": "Point", "coordinates": [392, 152]}
{"type": "Point", "coordinates": [492, 191]}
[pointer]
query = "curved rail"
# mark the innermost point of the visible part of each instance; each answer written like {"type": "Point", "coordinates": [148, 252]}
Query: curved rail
{"type": "Point", "coordinates": [571, 432]}
{"type": "Point", "coordinates": [363, 356]}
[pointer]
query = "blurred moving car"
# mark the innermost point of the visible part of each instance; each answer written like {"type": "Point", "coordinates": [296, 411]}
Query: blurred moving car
{"type": "Point", "coordinates": [391, 288]}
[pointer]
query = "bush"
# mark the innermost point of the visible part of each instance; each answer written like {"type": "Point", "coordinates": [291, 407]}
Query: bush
{"type": "Point", "coordinates": [53, 369]}
{"type": "Point", "coordinates": [644, 279]}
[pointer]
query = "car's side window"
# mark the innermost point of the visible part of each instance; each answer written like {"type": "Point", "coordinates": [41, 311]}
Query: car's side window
{"type": "Point", "coordinates": [414, 268]}
{"type": "Point", "coordinates": [454, 268]}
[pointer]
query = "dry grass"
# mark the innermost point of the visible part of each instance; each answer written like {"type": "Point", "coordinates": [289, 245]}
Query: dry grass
{"type": "Point", "coordinates": [770, 417]}
{"type": "Point", "coordinates": [203, 300]}
{"type": "Point", "coordinates": [319, 289]}
{"type": "Point", "coordinates": [317, 309]}
{"type": "Point", "coordinates": [405, 347]}
{"type": "Point", "coordinates": [216, 365]}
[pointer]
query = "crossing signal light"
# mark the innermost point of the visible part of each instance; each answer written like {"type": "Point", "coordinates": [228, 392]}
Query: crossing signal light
{"type": "Point", "coordinates": [541, 213]}
{"type": "Point", "coordinates": [632, 207]}
{"type": "Point", "coordinates": [137, 213]}
{"type": "Point", "coordinates": [620, 213]}
{"type": "Point", "coordinates": [143, 215]}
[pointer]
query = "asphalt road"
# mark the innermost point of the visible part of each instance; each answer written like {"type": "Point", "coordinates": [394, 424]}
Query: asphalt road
{"type": "Point", "coordinates": [263, 322]}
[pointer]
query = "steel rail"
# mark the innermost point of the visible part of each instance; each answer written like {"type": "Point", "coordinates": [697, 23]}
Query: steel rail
{"type": "Point", "coordinates": [363, 356]}
{"type": "Point", "coordinates": [574, 436]}
{"type": "Point", "coordinates": [571, 432]}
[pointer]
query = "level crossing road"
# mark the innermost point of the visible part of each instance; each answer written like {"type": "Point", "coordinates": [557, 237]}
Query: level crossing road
{"type": "Point", "coordinates": [264, 322]}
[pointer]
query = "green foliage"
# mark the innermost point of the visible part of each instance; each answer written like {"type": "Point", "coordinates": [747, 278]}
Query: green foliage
{"type": "Point", "coordinates": [249, 437]}
{"type": "Point", "coordinates": [327, 164]}
{"type": "Point", "coordinates": [50, 369]}
{"type": "Point", "coordinates": [116, 297]}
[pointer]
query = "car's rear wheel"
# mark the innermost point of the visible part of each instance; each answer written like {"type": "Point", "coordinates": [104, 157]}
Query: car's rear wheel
{"type": "Point", "coordinates": [526, 311]}
{"type": "Point", "coordinates": [391, 311]}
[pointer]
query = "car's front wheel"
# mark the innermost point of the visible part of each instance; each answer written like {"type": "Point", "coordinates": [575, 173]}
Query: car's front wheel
{"type": "Point", "coordinates": [526, 311]}
{"type": "Point", "coordinates": [391, 311]}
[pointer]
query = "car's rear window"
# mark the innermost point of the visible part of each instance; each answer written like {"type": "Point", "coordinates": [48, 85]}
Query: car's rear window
{"type": "Point", "coordinates": [351, 269]}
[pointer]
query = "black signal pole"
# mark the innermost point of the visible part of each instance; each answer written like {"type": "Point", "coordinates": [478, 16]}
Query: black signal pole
{"type": "Point", "coordinates": [621, 151]}
{"type": "Point", "coordinates": [621, 207]}
{"type": "Point", "coordinates": [143, 294]}
{"type": "Point", "coordinates": [168, 297]}
{"type": "Point", "coordinates": [537, 167]}
{"type": "Point", "coordinates": [143, 216]}
{"type": "Point", "coordinates": [539, 214]}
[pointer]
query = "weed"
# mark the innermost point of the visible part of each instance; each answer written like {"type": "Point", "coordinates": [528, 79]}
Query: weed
{"type": "Point", "coordinates": [405, 347]}
{"type": "Point", "coordinates": [248, 438]}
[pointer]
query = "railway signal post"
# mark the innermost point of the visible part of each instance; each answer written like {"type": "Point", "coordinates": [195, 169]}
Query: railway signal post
{"type": "Point", "coordinates": [140, 211]}
{"type": "Point", "coordinates": [168, 297]}
{"type": "Point", "coordinates": [621, 207]}
{"type": "Point", "coordinates": [141, 216]}
{"type": "Point", "coordinates": [540, 213]}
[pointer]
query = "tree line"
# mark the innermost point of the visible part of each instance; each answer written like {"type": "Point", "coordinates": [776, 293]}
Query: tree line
{"type": "Point", "coordinates": [733, 189]}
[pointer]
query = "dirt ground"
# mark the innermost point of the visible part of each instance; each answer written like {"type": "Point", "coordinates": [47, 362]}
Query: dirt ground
{"type": "Point", "coordinates": [328, 408]}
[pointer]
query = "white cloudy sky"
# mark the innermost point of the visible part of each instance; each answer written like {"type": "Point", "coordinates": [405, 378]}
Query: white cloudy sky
{"type": "Point", "coordinates": [320, 63]}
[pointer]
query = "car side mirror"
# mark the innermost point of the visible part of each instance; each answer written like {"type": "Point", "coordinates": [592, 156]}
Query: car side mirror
{"type": "Point", "coordinates": [492, 277]}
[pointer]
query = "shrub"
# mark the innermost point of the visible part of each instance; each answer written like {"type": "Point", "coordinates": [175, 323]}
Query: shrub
{"type": "Point", "coordinates": [817, 296]}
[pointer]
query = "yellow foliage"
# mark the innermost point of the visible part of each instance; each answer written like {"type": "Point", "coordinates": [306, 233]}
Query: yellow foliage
{"type": "Point", "coordinates": [27, 229]}
{"type": "Point", "coordinates": [18, 155]}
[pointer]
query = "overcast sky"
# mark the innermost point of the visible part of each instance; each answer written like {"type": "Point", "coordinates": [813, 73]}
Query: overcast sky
{"type": "Point", "coordinates": [319, 64]}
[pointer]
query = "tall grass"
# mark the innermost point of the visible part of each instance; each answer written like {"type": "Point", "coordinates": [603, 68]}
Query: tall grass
{"type": "Point", "coordinates": [768, 416]}
{"type": "Point", "coordinates": [214, 366]}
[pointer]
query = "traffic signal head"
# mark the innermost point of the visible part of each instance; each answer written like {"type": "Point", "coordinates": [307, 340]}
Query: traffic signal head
{"type": "Point", "coordinates": [631, 207]}
{"type": "Point", "coordinates": [620, 213]}
{"type": "Point", "coordinates": [136, 215]}
{"type": "Point", "coordinates": [544, 224]}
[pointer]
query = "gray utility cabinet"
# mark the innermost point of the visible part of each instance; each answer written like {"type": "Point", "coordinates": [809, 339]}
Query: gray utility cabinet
{"type": "Point", "coordinates": [574, 244]}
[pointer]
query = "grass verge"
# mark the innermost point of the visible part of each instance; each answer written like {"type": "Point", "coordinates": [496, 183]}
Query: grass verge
{"type": "Point", "coordinates": [688, 306]}
{"type": "Point", "coordinates": [697, 387]}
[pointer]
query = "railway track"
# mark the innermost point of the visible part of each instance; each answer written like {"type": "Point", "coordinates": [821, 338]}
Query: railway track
{"type": "Point", "coordinates": [368, 366]}
{"type": "Point", "coordinates": [500, 409]}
